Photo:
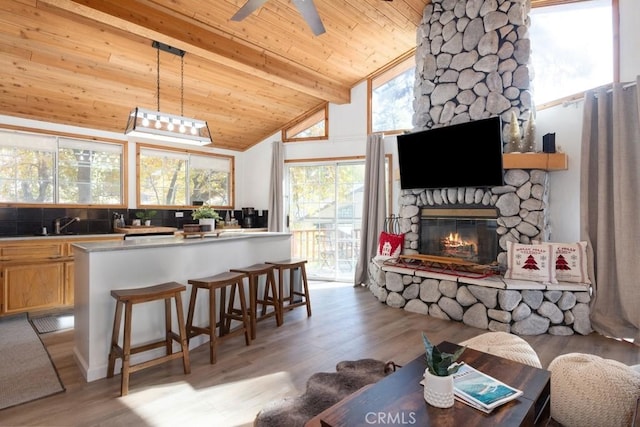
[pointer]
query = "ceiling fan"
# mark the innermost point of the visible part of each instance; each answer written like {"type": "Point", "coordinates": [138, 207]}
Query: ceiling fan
{"type": "Point", "coordinates": [306, 8]}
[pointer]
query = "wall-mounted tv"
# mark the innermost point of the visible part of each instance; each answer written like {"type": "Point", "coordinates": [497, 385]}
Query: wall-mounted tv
{"type": "Point", "coordinates": [461, 155]}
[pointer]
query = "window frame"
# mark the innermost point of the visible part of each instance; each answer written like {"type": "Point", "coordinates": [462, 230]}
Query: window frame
{"type": "Point", "coordinates": [615, 29]}
{"type": "Point", "coordinates": [385, 74]}
{"type": "Point", "coordinates": [58, 136]}
{"type": "Point", "coordinates": [187, 152]}
{"type": "Point", "coordinates": [305, 121]}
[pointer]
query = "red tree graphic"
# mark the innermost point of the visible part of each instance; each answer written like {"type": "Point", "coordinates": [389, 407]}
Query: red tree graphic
{"type": "Point", "coordinates": [530, 263]}
{"type": "Point", "coordinates": [562, 264]}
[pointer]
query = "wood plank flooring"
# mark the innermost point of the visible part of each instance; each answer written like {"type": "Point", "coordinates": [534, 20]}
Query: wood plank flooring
{"type": "Point", "coordinates": [347, 324]}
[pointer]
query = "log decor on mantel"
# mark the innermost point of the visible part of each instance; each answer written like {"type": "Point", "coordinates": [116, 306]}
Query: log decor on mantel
{"type": "Point", "coordinates": [541, 161]}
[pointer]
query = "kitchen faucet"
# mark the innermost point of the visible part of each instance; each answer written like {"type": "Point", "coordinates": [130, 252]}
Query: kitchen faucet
{"type": "Point", "coordinates": [57, 229]}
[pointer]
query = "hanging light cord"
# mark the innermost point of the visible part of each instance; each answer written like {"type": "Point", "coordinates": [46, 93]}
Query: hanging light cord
{"type": "Point", "coordinates": [158, 78]}
{"type": "Point", "coordinates": [182, 85]}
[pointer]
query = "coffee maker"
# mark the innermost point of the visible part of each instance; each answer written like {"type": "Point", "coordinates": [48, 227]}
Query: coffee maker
{"type": "Point", "coordinates": [248, 217]}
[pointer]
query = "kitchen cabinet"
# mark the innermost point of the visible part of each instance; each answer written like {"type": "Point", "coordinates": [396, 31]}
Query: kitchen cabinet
{"type": "Point", "coordinates": [38, 273]}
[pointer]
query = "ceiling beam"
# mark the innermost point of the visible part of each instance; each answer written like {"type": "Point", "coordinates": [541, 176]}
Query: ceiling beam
{"type": "Point", "coordinates": [140, 18]}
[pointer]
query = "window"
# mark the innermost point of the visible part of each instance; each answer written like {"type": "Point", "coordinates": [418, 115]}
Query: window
{"type": "Point", "coordinates": [43, 169]}
{"type": "Point", "coordinates": [391, 97]}
{"type": "Point", "coordinates": [571, 49]}
{"type": "Point", "coordinates": [183, 178]}
{"type": "Point", "coordinates": [311, 126]}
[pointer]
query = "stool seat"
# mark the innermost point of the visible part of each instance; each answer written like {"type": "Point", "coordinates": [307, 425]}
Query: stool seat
{"type": "Point", "coordinates": [270, 296]}
{"type": "Point", "coordinates": [219, 282]}
{"type": "Point", "coordinates": [126, 298]}
{"type": "Point", "coordinates": [149, 293]}
{"type": "Point", "coordinates": [292, 265]}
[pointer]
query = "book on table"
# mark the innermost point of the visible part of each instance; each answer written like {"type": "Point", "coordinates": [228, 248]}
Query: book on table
{"type": "Point", "coordinates": [481, 391]}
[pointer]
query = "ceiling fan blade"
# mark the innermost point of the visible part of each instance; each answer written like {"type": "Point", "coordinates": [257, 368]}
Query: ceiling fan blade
{"type": "Point", "coordinates": [247, 9]}
{"type": "Point", "coordinates": [310, 14]}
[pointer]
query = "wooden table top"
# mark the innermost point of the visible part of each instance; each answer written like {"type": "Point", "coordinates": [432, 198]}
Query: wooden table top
{"type": "Point", "coordinates": [398, 399]}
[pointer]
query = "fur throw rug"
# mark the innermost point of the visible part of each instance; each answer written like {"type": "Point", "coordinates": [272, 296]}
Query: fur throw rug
{"type": "Point", "coordinates": [324, 389]}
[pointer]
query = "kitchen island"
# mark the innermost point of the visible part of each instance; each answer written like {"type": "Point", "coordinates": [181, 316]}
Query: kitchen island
{"type": "Point", "coordinates": [101, 267]}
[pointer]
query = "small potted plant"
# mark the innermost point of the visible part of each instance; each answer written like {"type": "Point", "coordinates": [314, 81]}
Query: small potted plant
{"type": "Point", "coordinates": [438, 379]}
{"type": "Point", "coordinates": [145, 216]}
{"type": "Point", "coordinates": [206, 215]}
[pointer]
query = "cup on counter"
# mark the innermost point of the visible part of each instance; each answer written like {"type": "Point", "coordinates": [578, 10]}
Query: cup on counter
{"type": "Point", "coordinates": [136, 223]}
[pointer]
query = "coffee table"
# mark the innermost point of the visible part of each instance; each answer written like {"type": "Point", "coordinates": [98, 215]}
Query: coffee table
{"type": "Point", "coordinates": [398, 399]}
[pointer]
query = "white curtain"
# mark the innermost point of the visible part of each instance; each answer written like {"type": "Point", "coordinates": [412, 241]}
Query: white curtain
{"type": "Point", "coordinates": [276, 188]}
{"type": "Point", "coordinates": [374, 205]}
{"type": "Point", "coordinates": [610, 206]}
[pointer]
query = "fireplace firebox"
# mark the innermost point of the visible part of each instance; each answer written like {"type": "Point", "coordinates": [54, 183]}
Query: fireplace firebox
{"type": "Point", "coordinates": [463, 233]}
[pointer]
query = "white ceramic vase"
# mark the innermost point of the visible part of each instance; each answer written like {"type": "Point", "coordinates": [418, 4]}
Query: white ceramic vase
{"type": "Point", "coordinates": [438, 391]}
{"type": "Point", "coordinates": [208, 221]}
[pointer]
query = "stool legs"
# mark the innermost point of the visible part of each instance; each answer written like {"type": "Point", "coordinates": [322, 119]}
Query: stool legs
{"type": "Point", "coordinates": [293, 266]}
{"type": "Point", "coordinates": [274, 300]}
{"type": "Point", "coordinates": [125, 299]}
{"type": "Point", "coordinates": [214, 284]}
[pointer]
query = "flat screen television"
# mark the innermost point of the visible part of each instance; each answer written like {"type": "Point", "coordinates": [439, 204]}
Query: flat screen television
{"type": "Point", "coordinates": [461, 155]}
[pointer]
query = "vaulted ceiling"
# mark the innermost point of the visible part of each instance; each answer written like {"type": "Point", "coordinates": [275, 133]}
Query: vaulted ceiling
{"type": "Point", "coordinates": [89, 62]}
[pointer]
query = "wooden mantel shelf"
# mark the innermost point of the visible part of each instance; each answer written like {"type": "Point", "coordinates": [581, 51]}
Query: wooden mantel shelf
{"type": "Point", "coordinates": [544, 161]}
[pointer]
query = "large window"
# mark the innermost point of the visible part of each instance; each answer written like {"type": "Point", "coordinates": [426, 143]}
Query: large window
{"type": "Point", "coordinates": [391, 97]}
{"type": "Point", "coordinates": [571, 49]}
{"type": "Point", "coordinates": [178, 178]}
{"type": "Point", "coordinates": [42, 169]}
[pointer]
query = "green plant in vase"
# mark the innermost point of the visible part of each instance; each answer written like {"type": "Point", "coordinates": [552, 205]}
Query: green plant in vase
{"type": "Point", "coordinates": [438, 363]}
{"type": "Point", "coordinates": [145, 216]}
{"type": "Point", "coordinates": [205, 212]}
{"type": "Point", "coordinates": [438, 377]}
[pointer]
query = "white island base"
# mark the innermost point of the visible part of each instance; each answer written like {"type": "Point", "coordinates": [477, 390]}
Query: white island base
{"type": "Point", "coordinates": [101, 267]}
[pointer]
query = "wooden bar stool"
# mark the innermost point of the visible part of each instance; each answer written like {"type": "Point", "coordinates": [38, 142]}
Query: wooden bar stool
{"type": "Point", "coordinates": [292, 265]}
{"type": "Point", "coordinates": [219, 283]}
{"type": "Point", "coordinates": [270, 296]}
{"type": "Point", "coordinates": [127, 298]}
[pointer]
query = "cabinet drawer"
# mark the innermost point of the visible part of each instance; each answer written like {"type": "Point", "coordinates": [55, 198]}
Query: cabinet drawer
{"type": "Point", "coordinates": [31, 251]}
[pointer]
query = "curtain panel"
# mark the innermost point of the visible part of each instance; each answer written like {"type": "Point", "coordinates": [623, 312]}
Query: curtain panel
{"type": "Point", "coordinates": [276, 188]}
{"type": "Point", "coordinates": [609, 206]}
{"type": "Point", "coordinates": [373, 206]}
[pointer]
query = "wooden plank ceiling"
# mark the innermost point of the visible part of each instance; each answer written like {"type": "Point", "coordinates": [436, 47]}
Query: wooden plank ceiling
{"type": "Point", "coordinates": [89, 62]}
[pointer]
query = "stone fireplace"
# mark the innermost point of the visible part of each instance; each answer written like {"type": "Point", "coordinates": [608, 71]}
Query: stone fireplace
{"type": "Point", "coordinates": [520, 207]}
{"type": "Point", "coordinates": [472, 62]}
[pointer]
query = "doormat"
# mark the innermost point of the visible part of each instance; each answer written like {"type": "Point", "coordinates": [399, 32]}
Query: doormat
{"type": "Point", "coordinates": [53, 323]}
{"type": "Point", "coordinates": [26, 370]}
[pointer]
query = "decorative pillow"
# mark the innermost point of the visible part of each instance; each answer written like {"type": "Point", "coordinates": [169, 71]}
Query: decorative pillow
{"type": "Point", "coordinates": [390, 245]}
{"type": "Point", "coordinates": [570, 261]}
{"type": "Point", "coordinates": [530, 262]}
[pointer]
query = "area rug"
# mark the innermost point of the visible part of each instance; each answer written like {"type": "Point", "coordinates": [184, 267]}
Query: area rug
{"type": "Point", "coordinates": [26, 370]}
{"type": "Point", "coordinates": [324, 389]}
{"type": "Point", "coordinates": [53, 323]}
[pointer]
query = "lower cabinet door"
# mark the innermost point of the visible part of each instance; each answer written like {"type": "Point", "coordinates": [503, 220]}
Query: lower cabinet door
{"type": "Point", "coordinates": [32, 287]}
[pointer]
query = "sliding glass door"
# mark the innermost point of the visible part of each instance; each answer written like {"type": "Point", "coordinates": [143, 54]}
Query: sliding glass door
{"type": "Point", "coordinates": [323, 202]}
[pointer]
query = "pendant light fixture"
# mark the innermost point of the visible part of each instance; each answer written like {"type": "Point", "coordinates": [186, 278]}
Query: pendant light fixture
{"type": "Point", "coordinates": [163, 126]}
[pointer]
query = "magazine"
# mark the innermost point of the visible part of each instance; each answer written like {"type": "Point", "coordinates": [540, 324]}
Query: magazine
{"type": "Point", "coordinates": [481, 391]}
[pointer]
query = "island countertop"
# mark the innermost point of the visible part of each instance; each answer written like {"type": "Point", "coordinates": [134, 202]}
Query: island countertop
{"type": "Point", "coordinates": [176, 240]}
{"type": "Point", "coordinates": [103, 266]}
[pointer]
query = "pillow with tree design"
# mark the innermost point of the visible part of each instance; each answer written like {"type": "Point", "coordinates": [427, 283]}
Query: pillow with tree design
{"type": "Point", "coordinates": [530, 262]}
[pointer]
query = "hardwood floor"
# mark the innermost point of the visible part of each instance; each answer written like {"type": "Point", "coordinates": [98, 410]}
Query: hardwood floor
{"type": "Point", "coordinates": [347, 324]}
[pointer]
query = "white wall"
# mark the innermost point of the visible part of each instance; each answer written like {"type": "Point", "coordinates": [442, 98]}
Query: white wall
{"type": "Point", "coordinates": [347, 128]}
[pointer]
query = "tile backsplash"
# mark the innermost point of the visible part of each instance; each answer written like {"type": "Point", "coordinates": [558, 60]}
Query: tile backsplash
{"type": "Point", "coordinates": [21, 221]}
